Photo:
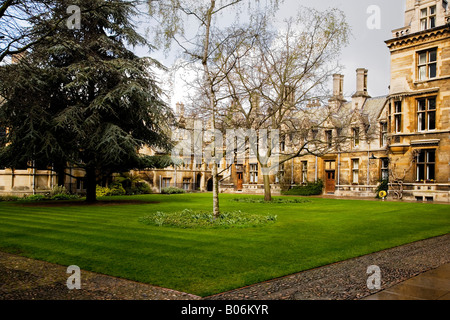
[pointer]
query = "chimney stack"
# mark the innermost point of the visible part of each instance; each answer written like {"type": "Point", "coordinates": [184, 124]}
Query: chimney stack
{"type": "Point", "coordinates": [180, 109]}
{"type": "Point", "coordinates": [338, 86]}
{"type": "Point", "coordinates": [361, 83]}
{"type": "Point", "coordinates": [361, 95]}
{"type": "Point", "coordinates": [338, 92]}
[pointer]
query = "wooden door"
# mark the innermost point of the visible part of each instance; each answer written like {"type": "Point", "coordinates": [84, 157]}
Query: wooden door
{"type": "Point", "coordinates": [330, 183]}
{"type": "Point", "coordinates": [240, 176]}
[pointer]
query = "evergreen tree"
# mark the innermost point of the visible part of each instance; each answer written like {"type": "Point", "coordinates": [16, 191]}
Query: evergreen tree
{"type": "Point", "coordinates": [80, 96]}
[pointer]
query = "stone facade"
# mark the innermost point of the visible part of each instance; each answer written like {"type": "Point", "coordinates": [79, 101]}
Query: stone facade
{"type": "Point", "coordinates": [419, 101]}
{"type": "Point", "coordinates": [403, 136]}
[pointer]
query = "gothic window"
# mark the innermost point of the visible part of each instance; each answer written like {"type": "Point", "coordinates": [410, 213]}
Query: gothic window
{"type": "Point", "coordinates": [254, 173]}
{"type": "Point", "coordinates": [426, 114]}
{"type": "Point", "coordinates": [425, 165]}
{"type": "Point", "coordinates": [304, 171]}
{"type": "Point", "coordinates": [398, 116]}
{"type": "Point", "coordinates": [355, 171]}
{"type": "Point", "coordinates": [165, 182]}
{"type": "Point", "coordinates": [428, 18]}
{"type": "Point", "coordinates": [383, 133]}
{"type": "Point", "coordinates": [427, 64]}
{"type": "Point", "coordinates": [186, 183]}
{"type": "Point", "coordinates": [384, 168]}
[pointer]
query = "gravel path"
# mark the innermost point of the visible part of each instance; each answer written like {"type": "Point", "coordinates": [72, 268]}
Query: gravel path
{"type": "Point", "coordinates": [27, 279]}
{"type": "Point", "coordinates": [347, 280]}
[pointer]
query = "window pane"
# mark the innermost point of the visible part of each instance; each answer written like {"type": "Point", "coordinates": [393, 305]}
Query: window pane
{"type": "Point", "coordinates": [432, 120]}
{"type": "Point", "coordinates": [422, 58]}
{"type": "Point", "coordinates": [423, 24]}
{"type": "Point", "coordinates": [355, 176]}
{"type": "Point", "coordinates": [421, 157]}
{"type": "Point", "coordinates": [420, 172]}
{"type": "Point", "coordinates": [433, 22]}
{"type": "Point", "coordinates": [421, 121]}
{"type": "Point", "coordinates": [430, 172]}
{"type": "Point", "coordinates": [432, 10]}
{"type": "Point", "coordinates": [422, 73]}
{"type": "Point", "coordinates": [432, 56]}
{"type": "Point", "coordinates": [422, 105]}
{"type": "Point", "coordinates": [423, 12]}
{"type": "Point", "coordinates": [398, 123]}
{"type": "Point", "coordinates": [431, 156]}
{"type": "Point", "coordinates": [431, 104]}
{"type": "Point", "coordinates": [432, 71]}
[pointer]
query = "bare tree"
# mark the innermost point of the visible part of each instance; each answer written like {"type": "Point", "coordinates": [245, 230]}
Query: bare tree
{"type": "Point", "coordinates": [202, 47]}
{"type": "Point", "coordinates": [279, 84]}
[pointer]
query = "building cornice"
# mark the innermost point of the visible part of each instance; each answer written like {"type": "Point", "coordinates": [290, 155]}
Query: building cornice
{"type": "Point", "coordinates": [399, 95]}
{"type": "Point", "coordinates": [418, 37]}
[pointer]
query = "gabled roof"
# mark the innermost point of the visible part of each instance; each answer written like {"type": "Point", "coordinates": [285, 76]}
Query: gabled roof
{"type": "Point", "coordinates": [373, 107]}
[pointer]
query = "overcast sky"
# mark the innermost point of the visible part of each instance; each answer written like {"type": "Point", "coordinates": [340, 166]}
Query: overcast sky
{"type": "Point", "coordinates": [366, 49]}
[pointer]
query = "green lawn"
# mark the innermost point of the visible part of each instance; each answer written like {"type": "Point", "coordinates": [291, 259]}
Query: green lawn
{"type": "Point", "coordinates": [111, 240]}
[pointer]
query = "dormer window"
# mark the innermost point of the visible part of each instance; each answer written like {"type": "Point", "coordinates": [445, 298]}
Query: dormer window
{"type": "Point", "coordinates": [428, 18]}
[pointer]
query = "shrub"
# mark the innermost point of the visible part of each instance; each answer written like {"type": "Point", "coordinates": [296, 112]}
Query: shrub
{"type": "Point", "coordinates": [64, 196]}
{"type": "Point", "coordinates": [310, 189]}
{"type": "Point", "coordinates": [9, 198]}
{"type": "Point", "coordinates": [172, 190]}
{"type": "Point", "coordinates": [58, 190]}
{"type": "Point", "coordinates": [34, 197]}
{"type": "Point", "coordinates": [142, 188]}
{"type": "Point", "coordinates": [204, 219]}
{"type": "Point", "coordinates": [274, 200]}
{"type": "Point", "coordinates": [101, 191]}
{"type": "Point", "coordinates": [116, 190]}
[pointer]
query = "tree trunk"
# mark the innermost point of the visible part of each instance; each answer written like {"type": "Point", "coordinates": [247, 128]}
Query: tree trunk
{"type": "Point", "coordinates": [91, 185]}
{"type": "Point", "coordinates": [267, 191]}
{"type": "Point", "coordinates": [216, 210]}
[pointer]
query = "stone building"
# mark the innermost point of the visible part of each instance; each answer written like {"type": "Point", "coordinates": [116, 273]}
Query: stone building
{"type": "Point", "coordinates": [419, 101]}
{"type": "Point", "coordinates": [403, 136]}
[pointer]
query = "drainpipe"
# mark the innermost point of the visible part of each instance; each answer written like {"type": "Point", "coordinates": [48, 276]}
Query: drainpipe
{"type": "Point", "coordinates": [368, 167]}
{"type": "Point", "coordinates": [339, 170]}
{"type": "Point", "coordinates": [316, 171]}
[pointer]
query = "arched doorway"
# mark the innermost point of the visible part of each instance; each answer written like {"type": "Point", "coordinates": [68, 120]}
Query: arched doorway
{"type": "Point", "coordinates": [209, 185]}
